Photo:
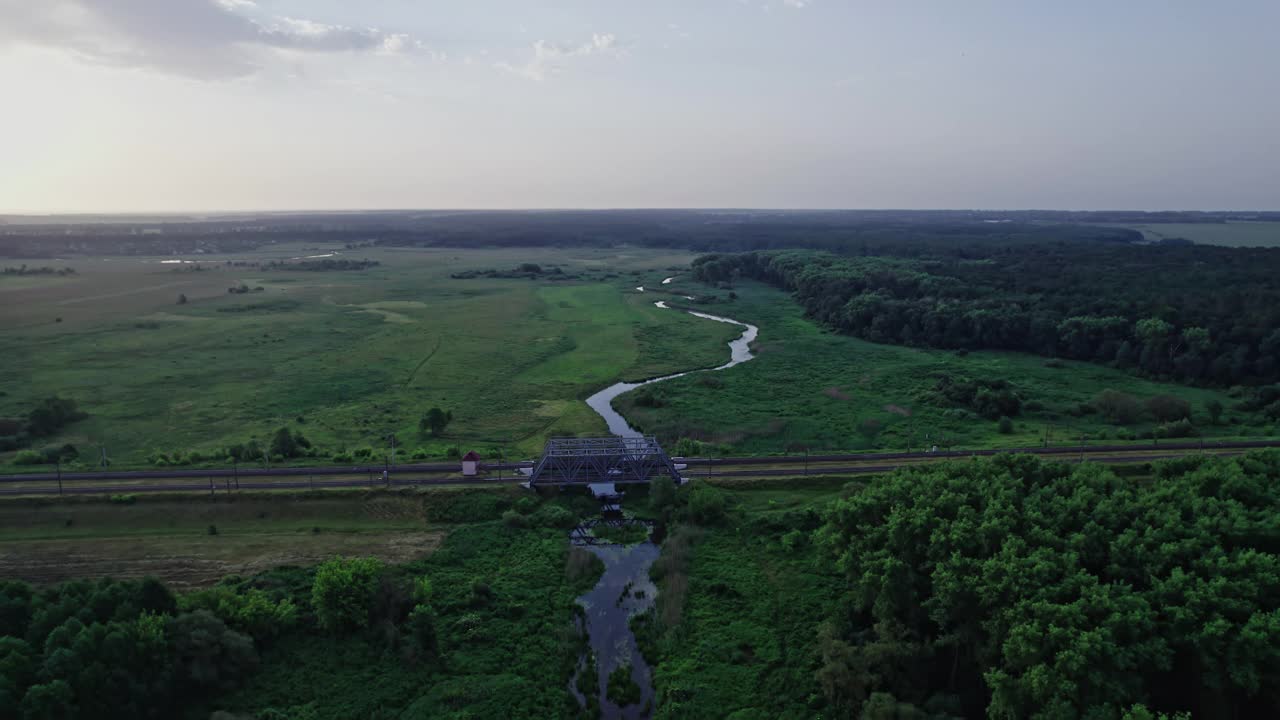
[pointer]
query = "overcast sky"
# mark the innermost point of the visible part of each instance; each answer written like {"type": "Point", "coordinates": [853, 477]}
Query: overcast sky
{"type": "Point", "coordinates": [177, 105]}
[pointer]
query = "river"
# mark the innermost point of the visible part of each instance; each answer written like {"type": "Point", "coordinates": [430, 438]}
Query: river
{"type": "Point", "coordinates": [602, 402]}
{"type": "Point", "coordinates": [625, 588]}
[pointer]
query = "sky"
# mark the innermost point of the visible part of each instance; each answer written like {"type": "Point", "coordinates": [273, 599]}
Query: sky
{"type": "Point", "coordinates": [207, 105]}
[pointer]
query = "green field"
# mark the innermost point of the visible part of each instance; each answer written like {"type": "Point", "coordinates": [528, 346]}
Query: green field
{"type": "Point", "coordinates": [347, 358]}
{"type": "Point", "coordinates": [809, 388]}
{"type": "Point", "coordinates": [1231, 234]}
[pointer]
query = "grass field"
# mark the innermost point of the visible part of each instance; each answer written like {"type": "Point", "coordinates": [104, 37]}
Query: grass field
{"type": "Point", "coordinates": [808, 388]}
{"type": "Point", "coordinates": [50, 542]}
{"type": "Point", "coordinates": [1232, 234]}
{"type": "Point", "coordinates": [347, 358]}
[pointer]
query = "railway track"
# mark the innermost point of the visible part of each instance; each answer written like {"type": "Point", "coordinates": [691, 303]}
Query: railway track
{"type": "Point", "coordinates": [225, 481]}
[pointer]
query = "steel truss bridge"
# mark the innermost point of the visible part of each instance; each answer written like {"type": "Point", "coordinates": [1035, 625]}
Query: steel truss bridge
{"type": "Point", "coordinates": [587, 461]}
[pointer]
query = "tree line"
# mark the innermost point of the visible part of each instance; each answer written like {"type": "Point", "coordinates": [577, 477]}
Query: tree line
{"type": "Point", "coordinates": [1196, 314]}
{"type": "Point", "coordinates": [1016, 588]}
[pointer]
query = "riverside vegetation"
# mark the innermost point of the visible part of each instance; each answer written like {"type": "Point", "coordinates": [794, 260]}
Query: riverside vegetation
{"type": "Point", "coordinates": [1008, 587]}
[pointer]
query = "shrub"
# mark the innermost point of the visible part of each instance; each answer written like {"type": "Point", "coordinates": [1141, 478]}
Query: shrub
{"type": "Point", "coordinates": [453, 453]}
{"type": "Point", "coordinates": [344, 591]}
{"type": "Point", "coordinates": [688, 447]}
{"type": "Point", "coordinates": [554, 516]}
{"type": "Point", "coordinates": [28, 457]}
{"type": "Point", "coordinates": [250, 611]}
{"type": "Point", "coordinates": [514, 519]}
{"type": "Point", "coordinates": [124, 500]}
{"type": "Point", "coordinates": [706, 504]}
{"type": "Point", "coordinates": [1117, 407]}
{"type": "Point", "coordinates": [1005, 426]}
{"type": "Point", "coordinates": [1177, 429]}
{"type": "Point", "coordinates": [1167, 408]}
{"type": "Point", "coordinates": [622, 690]}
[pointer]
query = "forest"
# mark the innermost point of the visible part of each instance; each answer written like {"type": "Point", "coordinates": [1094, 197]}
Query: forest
{"type": "Point", "coordinates": [1196, 314]}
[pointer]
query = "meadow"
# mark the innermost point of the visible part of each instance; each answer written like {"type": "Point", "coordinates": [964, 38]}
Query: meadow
{"type": "Point", "coordinates": [347, 358]}
{"type": "Point", "coordinates": [193, 542]}
{"type": "Point", "coordinates": [809, 388]}
{"type": "Point", "coordinates": [1230, 234]}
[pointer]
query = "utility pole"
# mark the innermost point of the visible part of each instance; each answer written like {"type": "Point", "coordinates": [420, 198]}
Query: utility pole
{"type": "Point", "coordinates": [59, 465]}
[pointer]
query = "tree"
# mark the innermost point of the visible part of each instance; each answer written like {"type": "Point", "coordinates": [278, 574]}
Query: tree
{"type": "Point", "coordinates": [1117, 407]}
{"type": "Point", "coordinates": [51, 701]}
{"type": "Point", "coordinates": [436, 420]}
{"type": "Point", "coordinates": [1214, 408]}
{"type": "Point", "coordinates": [284, 444]}
{"type": "Point", "coordinates": [208, 655]}
{"type": "Point", "coordinates": [182, 299]}
{"type": "Point", "coordinates": [1167, 408]}
{"type": "Point", "coordinates": [344, 591]}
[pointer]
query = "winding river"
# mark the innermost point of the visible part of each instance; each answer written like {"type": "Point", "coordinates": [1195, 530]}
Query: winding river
{"type": "Point", "coordinates": [739, 352]}
{"type": "Point", "coordinates": [625, 589]}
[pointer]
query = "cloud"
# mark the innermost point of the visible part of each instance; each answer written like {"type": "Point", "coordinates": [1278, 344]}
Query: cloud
{"type": "Point", "coordinates": [206, 39]}
{"type": "Point", "coordinates": [548, 58]}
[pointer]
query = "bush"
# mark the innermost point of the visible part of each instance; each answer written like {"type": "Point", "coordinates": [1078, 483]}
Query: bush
{"type": "Point", "coordinates": [343, 592]}
{"type": "Point", "coordinates": [688, 447]}
{"type": "Point", "coordinates": [1179, 429]}
{"type": "Point", "coordinates": [707, 505]}
{"type": "Point", "coordinates": [1167, 408]}
{"type": "Point", "coordinates": [1005, 426]}
{"type": "Point", "coordinates": [514, 519]}
{"type": "Point", "coordinates": [554, 516]}
{"type": "Point", "coordinates": [1117, 407]}
{"type": "Point", "coordinates": [250, 611]}
{"type": "Point", "coordinates": [29, 457]}
{"type": "Point", "coordinates": [124, 500]}
{"type": "Point", "coordinates": [453, 453]}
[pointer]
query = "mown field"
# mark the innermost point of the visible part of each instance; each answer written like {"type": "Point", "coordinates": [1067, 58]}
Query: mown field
{"type": "Point", "coordinates": [810, 388]}
{"type": "Point", "coordinates": [194, 542]}
{"type": "Point", "coordinates": [345, 357]}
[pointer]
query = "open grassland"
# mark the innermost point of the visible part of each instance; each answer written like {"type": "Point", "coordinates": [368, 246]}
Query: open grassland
{"type": "Point", "coordinates": [346, 357]}
{"type": "Point", "coordinates": [171, 540]}
{"type": "Point", "coordinates": [1231, 234]}
{"type": "Point", "coordinates": [810, 388]}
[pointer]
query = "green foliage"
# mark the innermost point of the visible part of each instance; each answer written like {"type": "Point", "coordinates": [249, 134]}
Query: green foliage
{"type": "Point", "coordinates": [29, 457]}
{"type": "Point", "coordinates": [51, 415]}
{"type": "Point", "coordinates": [207, 653]}
{"type": "Point", "coordinates": [688, 447]}
{"type": "Point", "coordinates": [622, 690]}
{"type": "Point", "coordinates": [1026, 589]}
{"type": "Point", "coordinates": [1005, 425]}
{"type": "Point", "coordinates": [344, 592]}
{"type": "Point", "coordinates": [1118, 407]}
{"type": "Point", "coordinates": [435, 421]}
{"type": "Point", "coordinates": [1214, 409]}
{"type": "Point", "coordinates": [662, 496]}
{"type": "Point", "coordinates": [288, 444]}
{"type": "Point", "coordinates": [961, 296]}
{"type": "Point", "coordinates": [248, 610]}
{"type": "Point", "coordinates": [706, 505]}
